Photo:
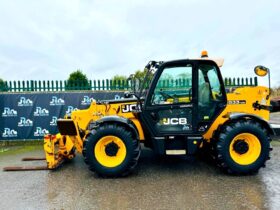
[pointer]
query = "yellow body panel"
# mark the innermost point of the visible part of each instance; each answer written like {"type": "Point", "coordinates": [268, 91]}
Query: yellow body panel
{"type": "Point", "coordinates": [59, 147]}
{"type": "Point", "coordinates": [250, 95]}
{"type": "Point", "coordinates": [97, 111]}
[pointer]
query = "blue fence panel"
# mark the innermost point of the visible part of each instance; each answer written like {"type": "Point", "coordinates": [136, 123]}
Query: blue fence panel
{"type": "Point", "coordinates": [33, 115]}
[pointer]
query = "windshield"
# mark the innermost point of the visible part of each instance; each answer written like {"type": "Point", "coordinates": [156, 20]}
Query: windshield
{"type": "Point", "coordinates": [174, 86]}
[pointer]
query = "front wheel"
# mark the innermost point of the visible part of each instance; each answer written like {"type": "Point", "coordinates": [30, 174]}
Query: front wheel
{"type": "Point", "coordinates": [111, 151]}
{"type": "Point", "coordinates": [243, 147]}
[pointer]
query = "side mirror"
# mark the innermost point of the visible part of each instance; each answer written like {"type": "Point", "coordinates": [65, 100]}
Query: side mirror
{"type": "Point", "coordinates": [261, 71]}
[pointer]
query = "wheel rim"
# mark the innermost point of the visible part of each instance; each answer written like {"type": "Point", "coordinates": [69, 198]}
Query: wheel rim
{"type": "Point", "coordinates": [110, 151]}
{"type": "Point", "coordinates": [245, 148]}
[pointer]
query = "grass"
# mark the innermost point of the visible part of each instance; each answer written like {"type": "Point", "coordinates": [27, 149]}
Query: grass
{"type": "Point", "coordinates": [17, 149]}
{"type": "Point", "coordinates": [21, 142]}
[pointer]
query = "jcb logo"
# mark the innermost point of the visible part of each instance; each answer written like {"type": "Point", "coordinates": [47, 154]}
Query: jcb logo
{"type": "Point", "coordinates": [129, 108]}
{"type": "Point", "coordinates": [174, 121]}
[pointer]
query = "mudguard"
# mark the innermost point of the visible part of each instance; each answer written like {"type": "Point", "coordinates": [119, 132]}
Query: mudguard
{"type": "Point", "coordinates": [236, 116]}
{"type": "Point", "coordinates": [116, 119]}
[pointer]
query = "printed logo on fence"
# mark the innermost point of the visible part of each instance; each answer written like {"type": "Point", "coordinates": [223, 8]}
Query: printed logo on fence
{"type": "Point", "coordinates": [9, 133]}
{"type": "Point", "coordinates": [53, 121]}
{"type": "Point", "coordinates": [25, 102]}
{"type": "Point", "coordinates": [70, 109]}
{"type": "Point", "coordinates": [87, 100]}
{"type": "Point", "coordinates": [25, 122]}
{"type": "Point", "coordinates": [41, 132]}
{"type": "Point", "coordinates": [41, 112]}
{"type": "Point", "coordinates": [9, 112]}
{"type": "Point", "coordinates": [57, 101]}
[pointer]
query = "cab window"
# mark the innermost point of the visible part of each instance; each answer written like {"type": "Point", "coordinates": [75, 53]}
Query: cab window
{"type": "Point", "coordinates": [214, 83]}
{"type": "Point", "coordinates": [209, 92]}
{"type": "Point", "coordinates": [174, 86]}
{"type": "Point", "coordinates": [209, 87]}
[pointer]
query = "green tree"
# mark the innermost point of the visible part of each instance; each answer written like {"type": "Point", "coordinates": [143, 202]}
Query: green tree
{"type": "Point", "coordinates": [3, 85]}
{"type": "Point", "coordinates": [119, 77]}
{"type": "Point", "coordinates": [136, 82]}
{"type": "Point", "coordinates": [119, 81]}
{"type": "Point", "coordinates": [140, 75]}
{"type": "Point", "coordinates": [77, 81]}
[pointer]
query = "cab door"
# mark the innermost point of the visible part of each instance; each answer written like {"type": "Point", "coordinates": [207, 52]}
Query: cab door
{"type": "Point", "coordinates": [171, 104]}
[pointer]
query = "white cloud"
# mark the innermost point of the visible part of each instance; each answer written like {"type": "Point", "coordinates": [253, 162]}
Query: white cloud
{"type": "Point", "coordinates": [50, 39]}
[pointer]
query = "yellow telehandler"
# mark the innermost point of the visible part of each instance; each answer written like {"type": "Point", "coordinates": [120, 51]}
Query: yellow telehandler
{"type": "Point", "coordinates": [181, 108]}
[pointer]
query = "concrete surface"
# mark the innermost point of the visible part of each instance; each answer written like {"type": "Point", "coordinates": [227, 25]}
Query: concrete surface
{"type": "Point", "coordinates": [275, 123]}
{"type": "Point", "coordinates": [155, 184]}
{"type": "Point", "coordinates": [275, 118]}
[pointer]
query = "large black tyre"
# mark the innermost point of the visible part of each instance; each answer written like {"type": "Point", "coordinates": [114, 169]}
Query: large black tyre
{"type": "Point", "coordinates": [242, 147]}
{"type": "Point", "coordinates": [124, 138]}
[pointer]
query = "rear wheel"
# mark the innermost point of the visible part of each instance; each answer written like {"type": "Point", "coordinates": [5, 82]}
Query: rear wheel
{"type": "Point", "coordinates": [242, 147]}
{"type": "Point", "coordinates": [111, 151]}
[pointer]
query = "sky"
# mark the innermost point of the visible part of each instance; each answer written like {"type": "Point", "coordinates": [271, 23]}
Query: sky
{"type": "Point", "coordinates": [42, 40]}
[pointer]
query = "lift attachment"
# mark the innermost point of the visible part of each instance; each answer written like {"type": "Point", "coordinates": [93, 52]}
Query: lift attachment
{"type": "Point", "coordinates": [57, 148]}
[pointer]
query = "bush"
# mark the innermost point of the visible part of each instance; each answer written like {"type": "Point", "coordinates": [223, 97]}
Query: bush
{"type": "Point", "coordinates": [119, 81]}
{"type": "Point", "coordinates": [77, 81]}
{"type": "Point", "coordinates": [3, 85]}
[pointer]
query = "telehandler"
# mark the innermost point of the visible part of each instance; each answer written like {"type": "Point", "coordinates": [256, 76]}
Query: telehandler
{"type": "Point", "coordinates": [181, 108]}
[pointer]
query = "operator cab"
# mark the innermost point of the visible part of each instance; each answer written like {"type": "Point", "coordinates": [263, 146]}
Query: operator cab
{"type": "Point", "coordinates": [184, 98]}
